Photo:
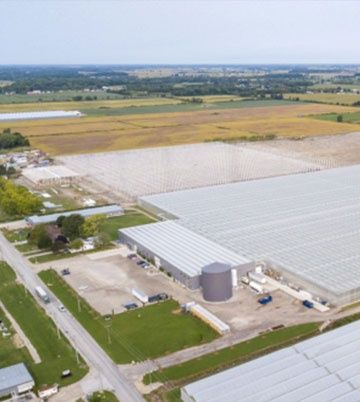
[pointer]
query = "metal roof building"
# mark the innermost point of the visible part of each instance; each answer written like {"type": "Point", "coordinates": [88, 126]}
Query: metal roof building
{"type": "Point", "coordinates": [15, 379]}
{"type": "Point", "coordinates": [51, 114]}
{"type": "Point", "coordinates": [307, 225]}
{"type": "Point", "coordinates": [106, 210]}
{"type": "Point", "coordinates": [180, 251]}
{"type": "Point", "coordinates": [322, 369]}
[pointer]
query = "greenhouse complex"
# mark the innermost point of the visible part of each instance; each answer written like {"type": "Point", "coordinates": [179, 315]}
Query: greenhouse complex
{"type": "Point", "coordinates": [304, 227]}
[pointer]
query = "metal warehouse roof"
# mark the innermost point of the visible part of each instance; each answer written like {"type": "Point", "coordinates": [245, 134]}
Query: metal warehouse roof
{"type": "Point", "coordinates": [309, 224]}
{"type": "Point", "coordinates": [106, 210]}
{"type": "Point", "coordinates": [13, 376]}
{"type": "Point", "coordinates": [181, 247]}
{"type": "Point", "coordinates": [324, 368]}
{"type": "Point", "coordinates": [39, 115]}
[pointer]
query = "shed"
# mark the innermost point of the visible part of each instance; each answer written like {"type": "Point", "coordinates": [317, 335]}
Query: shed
{"type": "Point", "coordinates": [15, 379]}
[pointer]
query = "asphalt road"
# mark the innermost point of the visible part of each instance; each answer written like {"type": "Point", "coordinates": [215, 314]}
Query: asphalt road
{"type": "Point", "coordinates": [77, 335]}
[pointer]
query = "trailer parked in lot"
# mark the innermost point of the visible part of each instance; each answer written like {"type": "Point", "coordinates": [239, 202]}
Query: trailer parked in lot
{"type": "Point", "coordinates": [255, 286]}
{"type": "Point", "coordinates": [42, 294]}
{"type": "Point", "coordinates": [140, 295]}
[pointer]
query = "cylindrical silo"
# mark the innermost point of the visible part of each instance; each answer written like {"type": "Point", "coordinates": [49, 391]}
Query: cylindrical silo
{"type": "Point", "coordinates": [216, 282]}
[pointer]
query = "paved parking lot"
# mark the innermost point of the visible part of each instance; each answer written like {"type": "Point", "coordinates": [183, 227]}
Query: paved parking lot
{"type": "Point", "coordinates": [106, 283]}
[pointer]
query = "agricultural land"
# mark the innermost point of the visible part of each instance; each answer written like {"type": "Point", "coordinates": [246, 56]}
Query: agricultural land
{"type": "Point", "coordinates": [222, 121]}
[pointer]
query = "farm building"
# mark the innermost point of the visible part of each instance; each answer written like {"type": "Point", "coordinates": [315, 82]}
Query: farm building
{"type": "Point", "coordinates": [306, 227]}
{"type": "Point", "coordinates": [53, 114]}
{"type": "Point", "coordinates": [50, 175]}
{"type": "Point", "coordinates": [180, 251]}
{"type": "Point", "coordinates": [107, 210]}
{"type": "Point", "coordinates": [322, 369]}
{"type": "Point", "coordinates": [15, 380]}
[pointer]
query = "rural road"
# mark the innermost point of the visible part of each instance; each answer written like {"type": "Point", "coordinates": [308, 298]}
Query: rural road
{"type": "Point", "coordinates": [77, 335]}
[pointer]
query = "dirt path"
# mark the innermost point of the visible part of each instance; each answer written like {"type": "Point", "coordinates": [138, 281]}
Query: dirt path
{"type": "Point", "coordinates": [33, 352]}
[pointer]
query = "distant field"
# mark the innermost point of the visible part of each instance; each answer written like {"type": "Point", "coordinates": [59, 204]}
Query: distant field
{"type": "Point", "coordinates": [86, 105]}
{"type": "Point", "coordinates": [223, 122]}
{"type": "Point", "coordinates": [56, 354]}
{"type": "Point", "coordinates": [149, 332]}
{"type": "Point", "coordinates": [334, 86]}
{"type": "Point", "coordinates": [341, 99]}
{"type": "Point", "coordinates": [55, 97]}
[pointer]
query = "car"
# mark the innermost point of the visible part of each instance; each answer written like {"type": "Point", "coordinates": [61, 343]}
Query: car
{"type": "Point", "coordinates": [130, 306]}
{"type": "Point", "coordinates": [66, 373]}
{"type": "Point", "coordinates": [145, 266]}
{"type": "Point", "coordinates": [62, 308]}
{"type": "Point", "coordinates": [141, 262]}
{"type": "Point", "coordinates": [265, 300]}
{"type": "Point", "coordinates": [132, 256]}
{"type": "Point", "coordinates": [308, 304]}
{"type": "Point", "coordinates": [65, 271]}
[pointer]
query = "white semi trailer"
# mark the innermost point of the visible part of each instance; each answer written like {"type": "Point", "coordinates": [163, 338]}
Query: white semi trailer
{"type": "Point", "coordinates": [42, 294]}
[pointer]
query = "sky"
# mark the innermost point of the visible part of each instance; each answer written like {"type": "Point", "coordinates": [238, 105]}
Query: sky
{"type": "Point", "coordinates": [179, 32]}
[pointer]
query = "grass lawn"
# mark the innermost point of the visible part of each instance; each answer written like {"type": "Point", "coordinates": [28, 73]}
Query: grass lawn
{"type": "Point", "coordinates": [56, 354]}
{"type": "Point", "coordinates": [26, 248]}
{"type": "Point", "coordinates": [230, 356]}
{"type": "Point", "coordinates": [347, 117]}
{"type": "Point", "coordinates": [103, 396]}
{"type": "Point", "coordinates": [148, 332]}
{"type": "Point", "coordinates": [131, 218]}
{"type": "Point", "coordinates": [16, 235]}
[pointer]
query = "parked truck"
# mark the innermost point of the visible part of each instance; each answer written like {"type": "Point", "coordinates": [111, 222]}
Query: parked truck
{"type": "Point", "coordinates": [42, 294]}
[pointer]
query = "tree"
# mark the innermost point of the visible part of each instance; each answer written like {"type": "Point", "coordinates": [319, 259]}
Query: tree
{"type": "Point", "coordinates": [44, 241]}
{"type": "Point", "coordinates": [71, 226]}
{"type": "Point", "coordinates": [60, 221]}
{"type": "Point", "coordinates": [39, 237]}
{"type": "Point", "coordinates": [17, 200]}
{"type": "Point", "coordinates": [57, 246]}
{"type": "Point", "coordinates": [102, 240]}
{"type": "Point", "coordinates": [76, 244]}
{"type": "Point", "coordinates": [339, 118]}
{"type": "Point", "coordinates": [92, 225]}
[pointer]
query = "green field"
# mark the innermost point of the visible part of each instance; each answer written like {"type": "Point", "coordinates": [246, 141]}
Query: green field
{"type": "Point", "coordinates": [56, 97]}
{"type": "Point", "coordinates": [16, 235]}
{"type": "Point", "coordinates": [233, 355]}
{"type": "Point", "coordinates": [347, 117]}
{"type": "Point", "coordinates": [131, 218]}
{"type": "Point", "coordinates": [56, 354]}
{"type": "Point", "coordinates": [182, 107]}
{"type": "Point", "coordinates": [149, 332]}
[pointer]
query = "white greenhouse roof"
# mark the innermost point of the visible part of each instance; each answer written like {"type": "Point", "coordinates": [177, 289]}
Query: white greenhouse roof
{"type": "Point", "coordinates": [13, 376]}
{"type": "Point", "coordinates": [324, 368]}
{"type": "Point", "coordinates": [105, 209]}
{"type": "Point", "coordinates": [38, 174]}
{"type": "Point", "coordinates": [181, 247]}
{"type": "Point", "coordinates": [308, 224]}
{"type": "Point", "coordinates": [156, 170]}
{"type": "Point", "coordinates": [52, 114]}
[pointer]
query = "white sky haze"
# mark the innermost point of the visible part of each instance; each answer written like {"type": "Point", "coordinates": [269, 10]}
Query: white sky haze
{"type": "Point", "coordinates": [179, 32]}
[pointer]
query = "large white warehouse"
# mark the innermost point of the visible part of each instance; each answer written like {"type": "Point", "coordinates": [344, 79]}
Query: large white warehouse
{"type": "Point", "coordinates": [306, 226]}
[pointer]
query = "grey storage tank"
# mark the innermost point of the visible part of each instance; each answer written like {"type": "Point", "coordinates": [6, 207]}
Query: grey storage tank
{"type": "Point", "coordinates": [216, 282]}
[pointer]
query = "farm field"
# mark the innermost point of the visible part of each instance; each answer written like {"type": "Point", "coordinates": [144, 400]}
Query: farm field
{"type": "Point", "coordinates": [81, 105]}
{"type": "Point", "coordinates": [341, 98]}
{"type": "Point", "coordinates": [125, 337]}
{"type": "Point", "coordinates": [108, 133]}
{"type": "Point", "coordinates": [55, 96]}
{"type": "Point", "coordinates": [56, 353]}
{"type": "Point", "coordinates": [347, 117]}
